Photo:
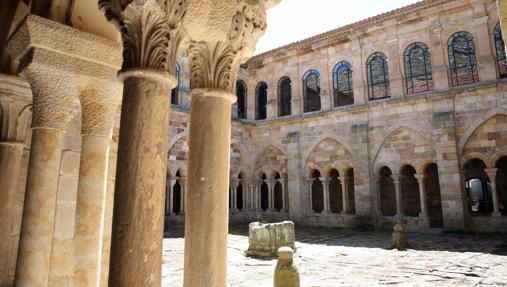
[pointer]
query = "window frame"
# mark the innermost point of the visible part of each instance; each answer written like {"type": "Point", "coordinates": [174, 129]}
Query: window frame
{"type": "Point", "coordinates": [338, 69]}
{"type": "Point", "coordinates": [409, 71]}
{"type": "Point", "coordinates": [309, 73]}
{"type": "Point", "coordinates": [386, 83]}
{"type": "Point", "coordinates": [472, 59]}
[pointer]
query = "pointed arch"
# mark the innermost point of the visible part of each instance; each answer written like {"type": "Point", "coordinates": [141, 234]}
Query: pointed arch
{"type": "Point", "coordinates": [328, 154]}
{"type": "Point", "coordinates": [412, 147]}
{"type": "Point", "coordinates": [270, 159]}
{"type": "Point", "coordinates": [474, 129]}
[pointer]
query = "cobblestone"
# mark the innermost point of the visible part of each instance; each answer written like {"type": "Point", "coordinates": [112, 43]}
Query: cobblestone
{"type": "Point", "coordinates": [345, 257]}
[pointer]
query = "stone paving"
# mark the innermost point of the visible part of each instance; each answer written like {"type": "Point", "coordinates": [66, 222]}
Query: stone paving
{"type": "Point", "coordinates": [345, 257]}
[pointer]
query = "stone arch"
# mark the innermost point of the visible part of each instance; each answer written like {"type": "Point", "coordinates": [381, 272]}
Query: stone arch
{"type": "Point", "coordinates": [411, 203]}
{"type": "Point", "coordinates": [479, 121]}
{"type": "Point", "coordinates": [270, 159]}
{"type": "Point", "coordinates": [387, 193]}
{"type": "Point", "coordinates": [404, 146]}
{"type": "Point", "coordinates": [308, 151]}
{"type": "Point", "coordinates": [488, 140]}
{"type": "Point", "coordinates": [173, 140]}
{"type": "Point", "coordinates": [329, 154]}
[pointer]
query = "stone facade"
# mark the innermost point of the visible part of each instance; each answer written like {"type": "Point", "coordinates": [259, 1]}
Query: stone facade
{"type": "Point", "coordinates": [365, 164]}
{"type": "Point", "coordinates": [431, 131]}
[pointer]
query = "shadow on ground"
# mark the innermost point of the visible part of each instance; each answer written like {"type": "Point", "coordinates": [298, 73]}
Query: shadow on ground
{"type": "Point", "coordinates": [431, 240]}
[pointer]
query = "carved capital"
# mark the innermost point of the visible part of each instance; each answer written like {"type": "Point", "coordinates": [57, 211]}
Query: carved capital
{"type": "Point", "coordinates": [215, 58]}
{"type": "Point", "coordinates": [99, 102]}
{"type": "Point", "coordinates": [150, 31]}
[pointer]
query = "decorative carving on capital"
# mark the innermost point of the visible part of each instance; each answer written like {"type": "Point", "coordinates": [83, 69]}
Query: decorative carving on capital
{"type": "Point", "coordinates": [150, 31]}
{"type": "Point", "coordinates": [214, 64]}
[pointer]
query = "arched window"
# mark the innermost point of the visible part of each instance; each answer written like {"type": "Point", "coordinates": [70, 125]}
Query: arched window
{"type": "Point", "coordinates": [284, 97]}
{"type": "Point", "coordinates": [500, 52]}
{"type": "Point", "coordinates": [311, 89]}
{"type": "Point", "coordinates": [418, 73]}
{"type": "Point", "coordinates": [175, 91]}
{"type": "Point", "coordinates": [241, 96]}
{"type": "Point", "coordinates": [261, 101]}
{"type": "Point", "coordinates": [462, 61]}
{"type": "Point", "coordinates": [342, 84]}
{"type": "Point", "coordinates": [378, 76]}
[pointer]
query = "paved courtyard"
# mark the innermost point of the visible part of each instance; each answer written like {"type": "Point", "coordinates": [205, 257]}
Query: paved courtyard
{"type": "Point", "coordinates": [344, 257]}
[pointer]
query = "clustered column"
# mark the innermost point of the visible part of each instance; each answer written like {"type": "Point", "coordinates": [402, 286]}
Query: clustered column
{"type": "Point", "coordinates": [54, 104]}
{"type": "Point", "coordinates": [491, 172]}
{"type": "Point", "coordinates": [99, 100]}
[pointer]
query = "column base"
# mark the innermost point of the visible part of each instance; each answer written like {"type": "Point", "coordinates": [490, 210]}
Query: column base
{"type": "Point", "coordinates": [496, 214]}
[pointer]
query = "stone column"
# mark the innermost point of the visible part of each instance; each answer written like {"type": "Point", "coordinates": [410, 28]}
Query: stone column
{"type": "Point", "coordinates": [235, 185]}
{"type": "Point", "coordinates": [99, 100]}
{"type": "Point", "coordinates": [219, 41]}
{"type": "Point", "coordinates": [376, 193]}
{"type": "Point", "coordinates": [171, 199]}
{"type": "Point", "coordinates": [15, 113]}
{"type": "Point", "coordinates": [284, 195]}
{"type": "Point", "coordinates": [491, 172]}
{"type": "Point", "coordinates": [151, 36]}
{"type": "Point", "coordinates": [258, 195]}
{"type": "Point", "coordinates": [422, 195]}
{"type": "Point", "coordinates": [271, 185]}
{"type": "Point", "coordinates": [345, 203]}
{"type": "Point", "coordinates": [310, 181]}
{"type": "Point", "coordinates": [183, 199]}
{"type": "Point", "coordinates": [52, 68]}
{"type": "Point", "coordinates": [399, 203]}
{"type": "Point", "coordinates": [244, 190]}
{"type": "Point", "coordinates": [325, 183]}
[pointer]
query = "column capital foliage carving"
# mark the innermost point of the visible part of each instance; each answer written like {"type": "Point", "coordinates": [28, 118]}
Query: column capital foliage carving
{"type": "Point", "coordinates": [214, 64]}
{"type": "Point", "coordinates": [150, 31]}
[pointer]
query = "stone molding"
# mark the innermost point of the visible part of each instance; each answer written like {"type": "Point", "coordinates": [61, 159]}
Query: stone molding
{"type": "Point", "coordinates": [15, 108]}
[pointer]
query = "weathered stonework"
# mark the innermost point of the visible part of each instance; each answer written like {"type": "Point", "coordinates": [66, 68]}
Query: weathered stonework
{"type": "Point", "coordinates": [265, 239]}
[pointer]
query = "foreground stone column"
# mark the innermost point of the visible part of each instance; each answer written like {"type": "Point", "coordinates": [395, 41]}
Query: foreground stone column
{"type": "Point", "coordinates": [491, 172]}
{"type": "Point", "coordinates": [222, 35]}
{"type": "Point", "coordinates": [399, 203]}
{"type": "Point", "coordinates": [422, 195]}
{"type": "Point", "coordinates": [151, 37]}
{"type": "Point", "coordinates": [99, 101]}
{"type": "Point", "coordinates": [206, 216]}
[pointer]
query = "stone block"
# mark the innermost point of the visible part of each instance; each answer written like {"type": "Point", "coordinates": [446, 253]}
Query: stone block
{"type": "Point", "coordinates": [266, 239]}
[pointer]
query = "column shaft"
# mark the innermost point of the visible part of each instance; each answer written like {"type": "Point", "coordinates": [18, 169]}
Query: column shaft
{"type": "Point", "coordinates": [39, 208]}
{"type": "Point", "coordinates": [399, 203]}
{"type": "Point", "coordinates": [494, 193]}
{"type": "Point", "coordinates": [284, 194]}
{"type": "Point", "coordinates": [325, 184]}
{"type": "Point", "coordinates": [206, 221]}
{"type": "Point", "coordinates": [271, 187]}
{"type": "Point", "coordinates": [422, 195]}
{"type": "Point", "coordinates": [171, 200]}
{"type": "Point", "coordinates": [138, 219]}
{"type": "Point", "coordinates": [90, 206]}
{"type": "Point", "coordinates": [343, 183]}
{"type": "Point", "coordinates": [11, 155]}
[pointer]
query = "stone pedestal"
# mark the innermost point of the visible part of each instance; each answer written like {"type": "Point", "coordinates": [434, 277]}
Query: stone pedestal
{"type": "Point", "coordinates": [265, 239]}
{"type": "Point", "coordinates": [399, 239]}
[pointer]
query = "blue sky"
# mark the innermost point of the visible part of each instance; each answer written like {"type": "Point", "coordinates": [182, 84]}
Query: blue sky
{"type": "Point", "coordinates": [293, 20]}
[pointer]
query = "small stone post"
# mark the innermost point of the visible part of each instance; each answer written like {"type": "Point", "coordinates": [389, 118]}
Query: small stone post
{"type": "Point", "coordinates": [399, 240]}
{"type": "Point", "coordinates": [286, 273]}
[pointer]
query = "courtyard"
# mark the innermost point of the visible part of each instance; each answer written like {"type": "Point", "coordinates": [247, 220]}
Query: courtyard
{"type": "Point", "coordinates": [347, 257]}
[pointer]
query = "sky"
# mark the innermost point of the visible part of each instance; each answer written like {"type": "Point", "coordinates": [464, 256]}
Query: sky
{"type": "Point", "coordinates": [294, 20]}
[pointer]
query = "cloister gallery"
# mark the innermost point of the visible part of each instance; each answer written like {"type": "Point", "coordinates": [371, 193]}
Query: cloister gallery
{"type": "Point", "coordinates": [397, 118]}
